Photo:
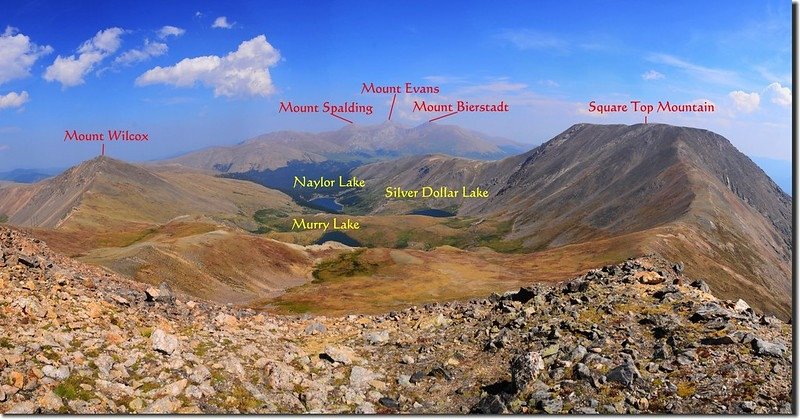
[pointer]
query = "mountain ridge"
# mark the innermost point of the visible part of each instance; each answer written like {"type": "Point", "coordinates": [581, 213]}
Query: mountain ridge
{"type": "Point", "coordinates": [598, 181]}
{"type": "Point", "coordinates": [352, 142]}
{"type": "Point", "coordinates": [150, 225]}
{"type": "Point", "coordinates": [684, 192]}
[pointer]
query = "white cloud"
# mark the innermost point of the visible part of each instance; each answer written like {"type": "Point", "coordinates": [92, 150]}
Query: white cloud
{"type": "Point", "coordinates": [652, 75]}
{"type": "Point", "coordinates": [13, 100]}
{"type": "Point", "coordinates": [582, 109]}
{"type": "Point", "coordinates": [69, 71]}
{"type": "Point", "coordinates": [150, 49]}
{"type": "Point", "coordinates": [549, 83]}
{"type": "Point", "coordinates": [770, 76]}
{"type": "Point", "coordinates": [497, 86]}
{"type": "Point", "coordinates": [713, 75]}
{"type": "Point", "coordinates": [104, 41]}
{"type": "Point", "coordinates": [170, 31]}
{"type": "Point", "coordinates": [703, 101]}
{"type": "Point", "coordinates": [529, 39]}
{"type": "Point", "coordinates": [222, 22]}
{"type": "Point", "coordinates": [403, 107]}
{"type": "Point", "coordinates": [745, 102]}
{"type": "Point", "coordinates": [444, 79]}
{"type": "Point", "coordinates": [244, 72]}
{"type": "Point", "coordinates": [18, 54]}
{"type": "Point", "coordinates": [780, 95]}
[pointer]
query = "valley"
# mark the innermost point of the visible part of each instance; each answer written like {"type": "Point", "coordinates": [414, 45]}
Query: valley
{"type": "Point", "coordinates": [383, 207]}
{"type": "Point", "coordinates": [337, 234]}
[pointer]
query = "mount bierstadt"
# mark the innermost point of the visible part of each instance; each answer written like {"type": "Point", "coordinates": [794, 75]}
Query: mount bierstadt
{"type": "Point", "coordinates": [594, 194]}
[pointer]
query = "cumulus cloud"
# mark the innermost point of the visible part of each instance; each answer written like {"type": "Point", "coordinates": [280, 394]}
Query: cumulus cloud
{"type": "Point", "coordinates": [168, 30]}
{"type": "Point", "coordinates": [13, 100]}
{"type": "Point", "coordinates": [69, 71]}
{"type": "Point", "coordinates": [222, 23]}
{"type": "Point", "coordinates": [18, 54]}
{"type": "Point", "coordinates": [745, 102]}
{"type": "Point", "coordinates": [781, 95]}
{"type": "Point", "coordinates": [652, 75]}
{"type": "Point", "coordinates": [150, 49]}
{"type": "Point", "coordinates": [244, 72]}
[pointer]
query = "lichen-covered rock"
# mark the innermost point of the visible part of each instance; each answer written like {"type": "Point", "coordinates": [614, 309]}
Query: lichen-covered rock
{"type": "Point", "coordinates": [164, 342]}
{"type": "Point", "coordinates": [604, 342]}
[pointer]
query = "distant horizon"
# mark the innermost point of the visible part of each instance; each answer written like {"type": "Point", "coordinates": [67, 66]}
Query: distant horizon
{"type": "Point", "coordinates": [173, 72]}
{"type": "Point", "coordinates": [236, 141]}
{"type": "Point", "coordinates": [780, 171]}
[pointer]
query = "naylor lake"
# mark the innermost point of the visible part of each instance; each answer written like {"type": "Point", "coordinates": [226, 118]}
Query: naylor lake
{"type": "Point", "coordinates": [326, 203]}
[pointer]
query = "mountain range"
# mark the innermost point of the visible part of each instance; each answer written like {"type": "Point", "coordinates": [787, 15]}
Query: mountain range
{"type": "Point", "coordinates": [709, 204]}
{"type": "Point", "coordinates": [28, 175]}
{"type": "Point", "coordinates": [148, 225]}
{"type": "Point", "coordinates": [351, 143]}
{"type": "Point", "coordinates": [593, 194]}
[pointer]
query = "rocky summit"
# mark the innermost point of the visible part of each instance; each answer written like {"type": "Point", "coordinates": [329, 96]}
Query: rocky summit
{"type": "Point", "coordinates": [638, 337]}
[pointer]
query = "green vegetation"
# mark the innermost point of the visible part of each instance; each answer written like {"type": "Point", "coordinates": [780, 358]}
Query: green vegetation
{"type": "Point", "coordinates": [297, 307]}
{"type": "Point", "coordinates": [266, 214]}
{"type": "Point", "coordinates": [346, 265]}
{"type": "Point", "coordinates": [3, 218]}
{"type": "Point", "coordinates": [686, 389]}
{"type": "Point", "coordinates": [271, 219]}
{"type": "Point", "coordinates": [202, 348]}
{"type": "Point", "coordinates": [217, 378]}
{"type": "Point", "coordinates": [149, 386]}
{"type": "Point", "coordinates": [504, 246]}
{"type": "Point", "coordinates": [459, 223]}
{"type": "Point", "coordinates": [49, 354]}
{"type": "Point", "coordinates": [464, 233]}
{"type": "Point", "coordinates": [475, 238]}
{"type": "Point", "coordinates": [70, 389]}
{"type": "Point", "coordinates": [146, 331]}
{"type": "Point", "coordinates": [403, 238]}
{"type": "Point", "coordinates": [121, 237]}
{"type": "Point", "coordinates": [243, 400]}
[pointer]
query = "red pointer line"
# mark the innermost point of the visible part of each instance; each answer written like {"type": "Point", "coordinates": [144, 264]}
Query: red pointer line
{"type": "Point", "coordinates": [102, 149]}
{"type": "Point", "coordinates": [645, 119]}
{"type": "Point", "coordinates": [343, 119]}
{"type": "Point", "coordinates": [443, 116]}
{"type": "Point", "coordinates": [392, 108]}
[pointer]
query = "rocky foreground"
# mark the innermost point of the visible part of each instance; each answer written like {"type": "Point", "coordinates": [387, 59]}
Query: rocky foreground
{"type": "Point", "coordinates": [635, 337]}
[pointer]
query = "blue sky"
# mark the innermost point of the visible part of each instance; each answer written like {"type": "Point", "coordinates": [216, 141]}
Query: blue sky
{"type": "Point", "coordinates": [194, 74]}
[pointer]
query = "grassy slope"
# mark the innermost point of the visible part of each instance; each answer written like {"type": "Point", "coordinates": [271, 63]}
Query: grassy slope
{"type": "Point", "coordinates": [400, 278]}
